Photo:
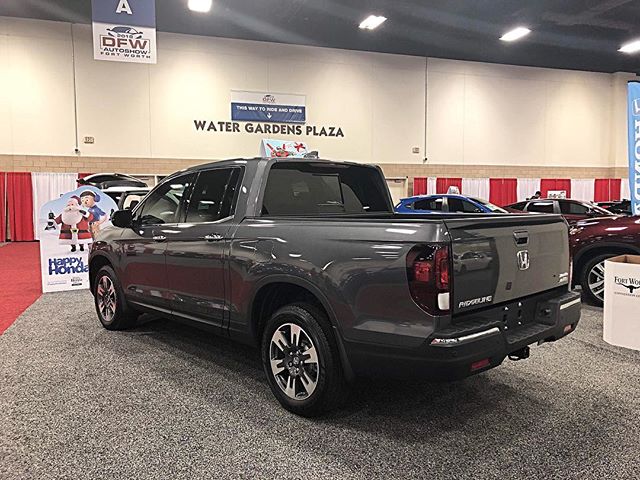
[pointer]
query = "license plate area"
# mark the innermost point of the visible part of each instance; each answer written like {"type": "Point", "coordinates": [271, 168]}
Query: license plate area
{"type": "Point", "coordinates": [518, 314]}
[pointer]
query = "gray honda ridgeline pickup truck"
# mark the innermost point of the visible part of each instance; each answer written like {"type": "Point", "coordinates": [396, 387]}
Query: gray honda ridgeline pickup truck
{"type": "Point", "coordinates": [307, 260]}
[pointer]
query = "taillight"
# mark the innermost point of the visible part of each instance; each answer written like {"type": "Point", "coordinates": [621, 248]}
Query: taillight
{"type": "Point", "coordinates": [442, 268]}
{"type": "Point", "coordinates": [571, 273]}
{"type": "Point", "coordinates": [428, 274]}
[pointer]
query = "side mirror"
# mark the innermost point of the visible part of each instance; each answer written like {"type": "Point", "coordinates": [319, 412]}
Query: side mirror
{"type": "Point", "coordinates": [122, 218]}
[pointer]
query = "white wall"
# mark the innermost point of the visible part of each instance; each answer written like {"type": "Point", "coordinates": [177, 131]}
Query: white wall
{"type": "Point", "coordinates": [36, 88]}
{"type": "Point", "coordinates": [149, 111]}
{"type": "Point", "coordinates": [476, 113]}
{"type": "Point", "coordinates": [506, 115]}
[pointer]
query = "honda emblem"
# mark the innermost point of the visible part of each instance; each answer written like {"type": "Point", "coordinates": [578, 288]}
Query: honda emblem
{"type": "Point", "coordinates": [523, 260]}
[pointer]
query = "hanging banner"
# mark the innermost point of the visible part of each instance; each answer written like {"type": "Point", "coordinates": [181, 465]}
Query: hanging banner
{"type": "Point", "coordinates": [124, 30]}
{"type": "Point", "coordinates": [283, 149]}
{"type": "Point", "coordinates": [68, 226]}
{"type": "Point", "coordinates": [634, 146]}
{"type": "Point", "coordinates": [267, 107]}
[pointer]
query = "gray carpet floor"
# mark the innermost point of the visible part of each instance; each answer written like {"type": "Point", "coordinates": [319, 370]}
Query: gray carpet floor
{"type": "Point", "coordinates": [164, 401]}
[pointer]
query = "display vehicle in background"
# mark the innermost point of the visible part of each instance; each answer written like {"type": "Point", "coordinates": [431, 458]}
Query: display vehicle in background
{"type": "Point", "coordinates": [307, 260]}
{"type": "Point", "coordinates": [572, 210]}
{"type": "Point", "coordinates": [126, 191]}
{"type": "Point", "coordinates": [127, 197]}
{"type": "Point", "coordinates": [451, 203]}
{"type": "Point", "coordinates": [619, 207]}
{"type": "Point", "coordinates": [593, 241]}
{"type": "Point", "coordinates": [106, 180]}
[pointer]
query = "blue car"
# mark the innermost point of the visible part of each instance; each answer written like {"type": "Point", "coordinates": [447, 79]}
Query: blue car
{"type": "Point", "coordinates": [449, 203]}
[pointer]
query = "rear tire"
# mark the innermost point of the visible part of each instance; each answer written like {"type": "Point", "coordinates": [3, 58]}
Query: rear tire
{"type": "Point", "coordinates": [111, 306]}
{"type": "Point", "coordinates": [301, 360]}
{"type": "Point", "coordinates": [592, 279]}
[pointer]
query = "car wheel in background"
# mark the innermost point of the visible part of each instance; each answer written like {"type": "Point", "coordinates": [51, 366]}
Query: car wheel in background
{"type": "Point", "coordinates": [300, 358]}
{"type": "Point", "coordinates": [592, 279]}
{"type": "Point", "coordinates": [111, 306]}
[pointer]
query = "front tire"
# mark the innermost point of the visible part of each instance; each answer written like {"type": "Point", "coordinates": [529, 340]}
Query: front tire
{"type": "Point", "coordinates": [111, 306]}
{"type": "Point", "coordinates": [301, 360]}
{"type": "Point", "coordinates": [592, 279]}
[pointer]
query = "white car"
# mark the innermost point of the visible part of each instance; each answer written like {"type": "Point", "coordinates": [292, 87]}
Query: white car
{"type": "Point", "coordinates": [126, 191]}
{"type": "Point", "coordinates": [470, 261]}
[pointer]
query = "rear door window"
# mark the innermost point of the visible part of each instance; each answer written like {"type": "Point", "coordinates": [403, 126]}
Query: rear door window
{"type": "Point", "coordinates": [297, 188]}
{"type": "Point", "coordinates": [213, 195]}
{"type": "Point", "coordinates": [541, 207]}
{"type": "Point", "coordinates": [433, 204]}
{"type": "Point", "coordinates": [519, 206]}
{"type": "Point", "coordinates": [570, 208]}
{"type": "Point", "coordinates": [459, 205]}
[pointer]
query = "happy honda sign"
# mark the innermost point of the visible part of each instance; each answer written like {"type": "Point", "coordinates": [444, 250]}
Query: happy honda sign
{"type": "Point", "coordinates": [124, 30]}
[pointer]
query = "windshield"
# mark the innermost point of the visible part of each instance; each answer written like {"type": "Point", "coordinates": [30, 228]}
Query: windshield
{"type": "Point", "coordinates": [601, 211]}
{"type": "Point", "coordinates": [489, 205]}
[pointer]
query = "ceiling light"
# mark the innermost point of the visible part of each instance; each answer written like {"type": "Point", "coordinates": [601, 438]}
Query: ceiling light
{"type": "Point", "coordinates": [372, 21]}
{"type": "Point", "coordinates": [200, 5]}
{"type": "Point", "coordinates": [631, 47]}
{"type": "Point", "coordinates": [515, 34]}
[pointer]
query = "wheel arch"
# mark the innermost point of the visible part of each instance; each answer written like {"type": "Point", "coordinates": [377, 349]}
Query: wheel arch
{"type": "Point", "coordinates": [593, 251]}
{"type": "Point", "coordinates": [96, 262]}
{"type": "Point", "coordinates": [276, 291]}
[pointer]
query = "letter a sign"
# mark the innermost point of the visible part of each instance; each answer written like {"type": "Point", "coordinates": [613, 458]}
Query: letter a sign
{"type": "Point", "coordinates": [123, 6]}
{"type": "Point", "coordinates": [124, 30]}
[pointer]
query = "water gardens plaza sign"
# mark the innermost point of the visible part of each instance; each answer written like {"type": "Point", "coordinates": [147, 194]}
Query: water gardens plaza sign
{"type": "Point", "coordinates": [265, 113]}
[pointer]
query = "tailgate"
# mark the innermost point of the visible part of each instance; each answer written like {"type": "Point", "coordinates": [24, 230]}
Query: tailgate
{"type": "Point", "coordinates": [502, 258]}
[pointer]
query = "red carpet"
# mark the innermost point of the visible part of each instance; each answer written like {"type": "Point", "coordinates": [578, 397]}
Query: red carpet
{"type": "Point", "coordinates": [20, 281]}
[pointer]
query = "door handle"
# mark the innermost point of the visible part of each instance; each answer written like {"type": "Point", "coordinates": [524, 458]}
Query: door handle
{"type": "Point", "coordinates": [214, 237]}
{"type": "Point", "coordinates": [159, 238]}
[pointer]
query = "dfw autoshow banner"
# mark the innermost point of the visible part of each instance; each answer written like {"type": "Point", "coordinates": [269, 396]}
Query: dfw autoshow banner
{"type": "Point", "coordinates": [124, 30]}
{"type": "Point", "coordinates": [634, 145]}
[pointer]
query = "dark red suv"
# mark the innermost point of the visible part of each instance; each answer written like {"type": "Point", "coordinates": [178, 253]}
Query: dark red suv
{"type": "Point", "coordinates": [593, 241]}
{"type": "Point", "coordinates": [572, 210]}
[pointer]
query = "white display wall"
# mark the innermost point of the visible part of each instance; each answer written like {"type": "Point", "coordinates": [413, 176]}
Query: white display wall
{"type": "Point", "coordinates": [482, 114]}
{"type": "Point", "coordinates": [454, 112]}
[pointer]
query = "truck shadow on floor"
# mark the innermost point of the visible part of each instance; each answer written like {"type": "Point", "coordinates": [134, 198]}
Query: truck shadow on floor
{"type": "Point", "coordinates": [394, 408]}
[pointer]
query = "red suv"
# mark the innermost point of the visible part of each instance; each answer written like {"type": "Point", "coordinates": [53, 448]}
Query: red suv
{"type": "Point", "coordinates": [594, 240]}
{"type": "Point", "coordinates": [572, 210]}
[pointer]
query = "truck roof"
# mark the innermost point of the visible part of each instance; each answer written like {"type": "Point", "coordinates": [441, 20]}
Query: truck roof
{"type": "Point", "coordinates": [236, 161]}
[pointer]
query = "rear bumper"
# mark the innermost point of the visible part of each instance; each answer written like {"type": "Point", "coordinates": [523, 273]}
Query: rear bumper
{"type": "Point", "coordinates": [475, 344]}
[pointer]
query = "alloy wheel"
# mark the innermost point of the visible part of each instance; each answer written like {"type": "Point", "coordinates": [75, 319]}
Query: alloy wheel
{"type": "Point", "coordinates": [294, 361]}
{"type": "Point", "coordinates": [106, 294]}
{"type": "Point", "coordinates": [595, 280]}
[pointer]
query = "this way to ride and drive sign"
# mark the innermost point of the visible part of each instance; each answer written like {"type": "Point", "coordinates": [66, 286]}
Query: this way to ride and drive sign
{"type": "Point", "coordinates": [267, 107]}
